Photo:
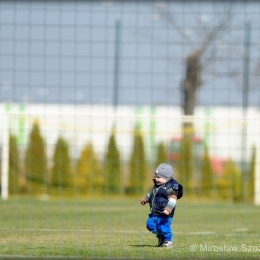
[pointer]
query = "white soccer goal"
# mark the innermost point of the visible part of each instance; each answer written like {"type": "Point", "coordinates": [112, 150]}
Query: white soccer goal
{"type": "Point", "coordinates": [225, 132]}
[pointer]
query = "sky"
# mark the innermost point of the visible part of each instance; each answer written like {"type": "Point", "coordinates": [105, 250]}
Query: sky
{"type": "Point", "coordinates": [69, 51]}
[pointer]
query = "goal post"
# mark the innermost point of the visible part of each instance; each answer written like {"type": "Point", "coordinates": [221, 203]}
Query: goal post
{"type": "Point", "coordinates": [5, 159]}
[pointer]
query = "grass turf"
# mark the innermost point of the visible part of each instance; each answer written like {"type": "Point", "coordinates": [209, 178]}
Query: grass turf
{"type": "Point", "coordinates": [115, 228]}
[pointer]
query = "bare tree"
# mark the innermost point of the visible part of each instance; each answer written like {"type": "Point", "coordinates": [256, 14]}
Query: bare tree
{"type": "Point", "coordinates": [194, 61]}
{"type": "Point", "coordinates": [191, 82]}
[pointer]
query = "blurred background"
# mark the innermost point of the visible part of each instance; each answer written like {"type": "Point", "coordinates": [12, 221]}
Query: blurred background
{"type": "Point", "coordinates": [95, 94]}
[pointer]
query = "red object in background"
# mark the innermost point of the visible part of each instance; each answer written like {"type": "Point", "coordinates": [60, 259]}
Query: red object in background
{"type": "Point", "coordinates": [217, 164]}
{"type": "Point", "coordinates": [195, 139]}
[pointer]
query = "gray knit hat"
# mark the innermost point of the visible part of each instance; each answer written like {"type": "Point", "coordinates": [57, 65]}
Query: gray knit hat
{"type": "Point", "coordinates": [164, 170]}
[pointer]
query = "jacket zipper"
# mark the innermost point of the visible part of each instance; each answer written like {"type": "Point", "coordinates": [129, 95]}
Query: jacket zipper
{"type": "Point", "coordinates": [155, 194]}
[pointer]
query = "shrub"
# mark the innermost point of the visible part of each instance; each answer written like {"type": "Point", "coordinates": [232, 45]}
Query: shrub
{"type": "Point", "coordinates": [137, 165]}
{"type": "Point", "coordinates": [207, 176]}
{"type": "Point", "coordinates": [185, 162]}
{"type": "Point", "coordinates": [61, 173]}
{"type": "Point", "coordinates": [14, 166]}
{"type": "Point", "coordinates": [160, 154]}
{"type": "Point", "coordinates": [112, 167]}
{"type": "Point", "coordinates": [230, 184]}
{"type": "Point", "coordinates": [35, 161]}
{"type": "Point", "coordinates": [88, 178]}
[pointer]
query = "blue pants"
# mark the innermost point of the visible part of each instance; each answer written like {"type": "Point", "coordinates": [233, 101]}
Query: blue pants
{"type": "Point", "coordinates": [160, 225]}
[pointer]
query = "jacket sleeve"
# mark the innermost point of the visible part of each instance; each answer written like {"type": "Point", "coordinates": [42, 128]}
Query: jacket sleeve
{"type": "Point", "coordinates": [172, 199]}
{"type": "Point", "coordinates": [146, 198]}
{"type": "Point", "coordinates": [173, 194]}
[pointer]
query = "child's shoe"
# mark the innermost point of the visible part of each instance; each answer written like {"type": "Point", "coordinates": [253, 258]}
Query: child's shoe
{"type": "Point", "coordinates": [166, 244]}
{"type": "Point", "coordinates": [160, 240]}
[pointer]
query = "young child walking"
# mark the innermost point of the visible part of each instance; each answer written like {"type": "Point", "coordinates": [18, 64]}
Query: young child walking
{"type": "Point", "coordinates": [162, 199]}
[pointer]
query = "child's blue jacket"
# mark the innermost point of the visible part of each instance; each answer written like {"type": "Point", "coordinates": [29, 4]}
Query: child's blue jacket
{"type": "Point", "coordinates": [159, 196]}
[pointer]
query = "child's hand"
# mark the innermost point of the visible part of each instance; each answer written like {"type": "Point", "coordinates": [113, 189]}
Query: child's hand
{"type": "Point", "coordinates": [166, 212]}
{"type": "Point", "coordinates": [142, 201]}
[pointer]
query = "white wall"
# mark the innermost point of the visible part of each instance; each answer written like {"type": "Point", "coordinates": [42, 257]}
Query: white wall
{"type": "Point", "coordinates": [82, 123]}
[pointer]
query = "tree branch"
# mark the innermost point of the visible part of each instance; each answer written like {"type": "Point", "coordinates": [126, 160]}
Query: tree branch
{"type": "Point", "coordinates": [169, 18]}
{"type": "Point", "coordinates": [214, 33]}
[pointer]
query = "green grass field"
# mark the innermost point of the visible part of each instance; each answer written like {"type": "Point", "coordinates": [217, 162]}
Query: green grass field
{"type": "Point", "coordinates": [115, 228]}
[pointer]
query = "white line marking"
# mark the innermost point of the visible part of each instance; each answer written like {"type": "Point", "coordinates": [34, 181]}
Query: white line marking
{"type": "Point", "coordinates": [118, 231]}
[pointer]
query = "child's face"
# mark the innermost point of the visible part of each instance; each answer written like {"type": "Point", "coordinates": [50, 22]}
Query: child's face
{"type": "Point", "coordinates": [159, 180]}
